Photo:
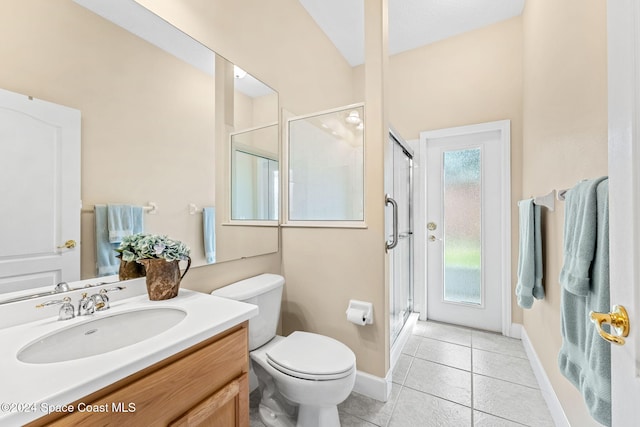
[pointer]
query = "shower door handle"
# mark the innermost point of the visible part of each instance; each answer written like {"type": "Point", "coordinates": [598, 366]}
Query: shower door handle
{"type": "Point", "coordinates": [389, 201]}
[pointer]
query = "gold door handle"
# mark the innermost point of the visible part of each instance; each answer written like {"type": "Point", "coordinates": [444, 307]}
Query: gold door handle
{"type": "Point", "coordinates": [69, 244]}
{"type": "Point", "coordinates": [618, 319]}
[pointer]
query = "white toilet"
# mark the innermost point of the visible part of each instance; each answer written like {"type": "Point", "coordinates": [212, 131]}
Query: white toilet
{"type": "Point", "coordinates": [302, 377]}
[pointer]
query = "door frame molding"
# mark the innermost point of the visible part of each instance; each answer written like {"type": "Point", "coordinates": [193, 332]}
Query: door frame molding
{"type": "Point", "coordinates": [504, 127]}
{"type": "Point", "coordinates": [623, 50]}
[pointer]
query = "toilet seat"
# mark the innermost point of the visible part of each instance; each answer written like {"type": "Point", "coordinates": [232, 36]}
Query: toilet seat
{"type": "Point", "coordinates": [311, 356]}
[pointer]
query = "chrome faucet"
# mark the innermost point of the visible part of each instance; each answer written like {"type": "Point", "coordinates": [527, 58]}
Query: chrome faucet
{"type": "Point", "coordinates": [86, 305]}
{"type": "Point", "coordinates": [66, 311]}
{"type": "Point", "coordinates": [96, 302]}
{"type": "Point", "coordinates": [105, 298]}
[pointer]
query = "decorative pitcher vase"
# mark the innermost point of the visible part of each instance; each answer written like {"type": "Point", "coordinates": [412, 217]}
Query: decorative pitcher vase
{"type": "Point", "coordinates": [163, 277]}
{"type": "Point", "coordinates": [130, 270]}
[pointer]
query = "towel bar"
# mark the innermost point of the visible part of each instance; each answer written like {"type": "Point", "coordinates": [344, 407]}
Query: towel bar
{"type": "Point", "coordinates": [548, 200]}
{"type": "Point", "coordinates": [151, 209]}
{"type": "Point", "coordinates": [194, 209]}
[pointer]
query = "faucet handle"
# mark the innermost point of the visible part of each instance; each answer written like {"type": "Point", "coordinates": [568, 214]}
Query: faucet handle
{"type": "Point", "coordinates": [105, 297]}
{"type": "Point", "coordinates": [62, 287]}
{"type": "Point", "coordinates": [64, 300]}
{"type": "Point", "coordinates": [86, 305]}
{"type": "Point", "coordinates": [66, 311]}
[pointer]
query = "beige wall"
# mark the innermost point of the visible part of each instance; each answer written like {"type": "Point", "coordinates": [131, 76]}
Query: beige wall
{"type": "Point", "coordinates": [472, 78]}
{"type": "Point", "coordinates": [564, 141]}
{"type": "Point", "coordinates": [323, 267]}
{"type": "Point", "coordinates": [60, 52]}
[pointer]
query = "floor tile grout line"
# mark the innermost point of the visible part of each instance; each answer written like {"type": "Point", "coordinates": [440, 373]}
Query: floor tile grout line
{"type": "Point", "coordinates": [395, 404]}
{"type": "Point", "coordinates": [524, 357]}
{"type": "Point", "coordinates": [507, 381]}
{"type": "Point", "coordinates": [436, 396]}
{"type": "Point", "coordinates": [502, 418]}
{"type": "Point", "coordinates": [361, 419]}
{"type": "Point", "coordinates": [463, 370]}
{"type": "Point", "coordinates": [471, 368]}
{"type": "Point", "coordinates": [441, 364]}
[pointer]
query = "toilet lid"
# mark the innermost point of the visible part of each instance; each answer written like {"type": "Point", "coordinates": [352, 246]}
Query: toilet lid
{"type": "Point", "coordinates": [312, 356]}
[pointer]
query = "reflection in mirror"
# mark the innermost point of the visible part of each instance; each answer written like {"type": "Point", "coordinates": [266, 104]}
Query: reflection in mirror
{"type": "Point", "coordinates": [254, 174]}
{"type": "Point", "coordinates": [326, 166]}
{"type": "Point", "coordinates": [147, 113]}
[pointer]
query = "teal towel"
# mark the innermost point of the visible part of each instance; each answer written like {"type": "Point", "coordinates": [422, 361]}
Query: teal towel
{"type": "Point", "coordinates": [530, 255]}
{"type": "Point", "coordinates": [131, 222]}
{"type": "Point", "coordinates": [124, 220]}
{"type": "Point", "coordinates": [137, 216]}
{"type": "Point", "coordinates": [106, 262]}
{"type": "Point", "coordinates": [209, 233]}
{"type": "Point", "coordinates": [585, 358]}
{"type": "Point", "coordinates": [579, 236]}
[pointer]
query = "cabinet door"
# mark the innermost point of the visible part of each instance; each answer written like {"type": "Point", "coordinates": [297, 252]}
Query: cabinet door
{"type": "Point", "coordinates": [225, 408]}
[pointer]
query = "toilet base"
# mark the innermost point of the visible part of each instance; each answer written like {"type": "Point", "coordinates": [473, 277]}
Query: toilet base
{"type": "Point", "coordinates": [318, 416]}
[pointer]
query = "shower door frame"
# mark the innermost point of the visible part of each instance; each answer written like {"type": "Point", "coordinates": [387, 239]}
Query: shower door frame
{"type": "Point", "coordinates": [395, 138]}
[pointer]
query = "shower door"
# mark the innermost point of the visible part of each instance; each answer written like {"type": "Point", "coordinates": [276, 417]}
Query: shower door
{"type": "Point", "coordinates": [401, 255]}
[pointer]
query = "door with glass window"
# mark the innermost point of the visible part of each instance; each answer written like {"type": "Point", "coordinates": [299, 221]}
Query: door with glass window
{"type": "Point", "coordinates": [464, 230]}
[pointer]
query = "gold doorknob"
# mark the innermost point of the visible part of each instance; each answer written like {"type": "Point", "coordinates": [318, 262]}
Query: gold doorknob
{"type": "Point", "coordinates": [69, 244]}
{"type": "Point", "coordinates": [618, 319]}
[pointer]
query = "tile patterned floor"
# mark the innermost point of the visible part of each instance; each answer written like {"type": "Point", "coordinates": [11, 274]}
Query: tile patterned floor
{"type": "Point", "coordinates": [451, 376]}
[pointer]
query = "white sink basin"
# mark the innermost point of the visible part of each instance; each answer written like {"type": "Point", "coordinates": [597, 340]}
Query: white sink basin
{"type": "Point", "coordinates": [100, 335]}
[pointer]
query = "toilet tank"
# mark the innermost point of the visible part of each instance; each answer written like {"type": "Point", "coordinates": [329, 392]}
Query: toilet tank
{"type": "Point", "coordinates": [265, 291]}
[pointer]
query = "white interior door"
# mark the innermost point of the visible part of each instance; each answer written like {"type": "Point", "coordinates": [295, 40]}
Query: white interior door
{"type": "Point", "coordinates": [623, 24]}
{"type": "Point", "coordinates": [467, 241]}
{"type": "Point", "coordinates": [40, 179]}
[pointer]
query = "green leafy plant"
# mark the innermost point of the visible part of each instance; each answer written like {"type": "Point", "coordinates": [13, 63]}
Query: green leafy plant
{"type": "Point", "coordinates": [152, 246]}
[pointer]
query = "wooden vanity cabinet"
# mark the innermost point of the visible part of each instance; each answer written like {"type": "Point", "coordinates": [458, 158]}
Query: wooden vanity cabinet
{"type": "Point", "coordinates": [205, 385]}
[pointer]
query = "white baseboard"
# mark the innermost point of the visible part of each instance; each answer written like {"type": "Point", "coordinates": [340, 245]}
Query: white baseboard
{"type": "Point", "coordinates": [516, 330]}
{"type": "Point", "coordinates": [380, 388]}
{"type": "Point", "coordinates": [374, 387]}
{"type": "Point", "coordinates": [546, 388]}
{"type": "Point", "coordinates": [403, 337]}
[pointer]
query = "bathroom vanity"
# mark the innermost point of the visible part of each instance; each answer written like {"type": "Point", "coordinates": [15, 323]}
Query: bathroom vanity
{"type": "Point", "coordinates": [193, 373]}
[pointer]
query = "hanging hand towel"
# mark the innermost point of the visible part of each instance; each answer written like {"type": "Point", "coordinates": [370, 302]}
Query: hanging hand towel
{"type": "Point", "coordinates": [530, 256]}
{"type": "Point", "coordinates": [106, 261]}
{"type": "Point", "coordinates": [209, 233]}
{"type": "Point", "coordinates": [579, 236]}
{"type": "Point", "coordinates": [137, 217]}
{"type": "Point", "coordinates": [119, 221]}
{"type": "Point", "coordinates": [585, 358]}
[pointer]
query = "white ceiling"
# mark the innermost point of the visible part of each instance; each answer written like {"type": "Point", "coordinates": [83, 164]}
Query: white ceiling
{"type": "Point", "coordinates": [412, 23]}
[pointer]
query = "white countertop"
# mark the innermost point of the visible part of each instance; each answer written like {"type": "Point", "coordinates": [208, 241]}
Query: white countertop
{"type": "Point", "coordinates": [28, 389]}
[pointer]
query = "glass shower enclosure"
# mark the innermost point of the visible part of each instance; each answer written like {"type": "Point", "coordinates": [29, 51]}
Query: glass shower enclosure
{"type": "Point", "coordinates": [400, 232]}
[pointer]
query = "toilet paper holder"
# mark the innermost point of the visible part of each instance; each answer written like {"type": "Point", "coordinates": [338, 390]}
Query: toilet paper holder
{"type": "Point", "coordinates": [360, 312]}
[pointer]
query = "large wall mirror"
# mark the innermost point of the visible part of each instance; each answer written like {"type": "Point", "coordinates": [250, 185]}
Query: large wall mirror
{"type": "Point", "coordinates": [148, 115]}
{"type": "Point", "coordinates": [255, 169]}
